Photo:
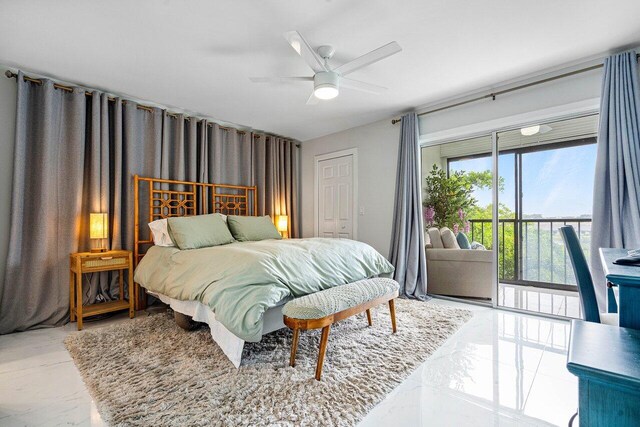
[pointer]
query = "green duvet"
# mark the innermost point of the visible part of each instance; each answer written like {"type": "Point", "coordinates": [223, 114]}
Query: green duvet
{"type": "Point", "coordinates": [241, 280]}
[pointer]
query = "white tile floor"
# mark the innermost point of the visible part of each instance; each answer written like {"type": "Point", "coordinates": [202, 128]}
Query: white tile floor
{"type": "Point", "coordinates": [540, 300]}
{"type": "Point", "coordinates": [499, 369]}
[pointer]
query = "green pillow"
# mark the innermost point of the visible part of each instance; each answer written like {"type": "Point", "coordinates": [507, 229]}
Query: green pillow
{"type": "Point", "coordinates": [251, 228]}
{"type": "Point", "coordinates": [200, 231]}
{"type": "Point", "coordinates": [463, 241]}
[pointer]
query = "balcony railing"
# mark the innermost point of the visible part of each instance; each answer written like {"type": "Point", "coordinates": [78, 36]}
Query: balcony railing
{"type": "Point", "coordinates": [531, 251]}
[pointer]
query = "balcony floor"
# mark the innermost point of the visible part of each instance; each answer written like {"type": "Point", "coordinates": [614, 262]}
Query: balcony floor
{"type": "Point", "coordinates": [539, 300]}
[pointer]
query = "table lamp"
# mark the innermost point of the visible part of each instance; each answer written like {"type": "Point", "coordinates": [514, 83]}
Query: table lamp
{"type": "Point", "coordinates": [282, 225]}
{"type": "Point", "coordinates": [98, 229]}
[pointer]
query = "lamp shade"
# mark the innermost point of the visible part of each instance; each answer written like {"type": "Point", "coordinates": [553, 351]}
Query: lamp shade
{"type": "Point", "coordinates": [98, 225]}
{"type": "Point", "coordinates": [282, 222]}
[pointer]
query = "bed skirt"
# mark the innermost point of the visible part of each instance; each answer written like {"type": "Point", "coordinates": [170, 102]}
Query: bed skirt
{"type": "Point", "coordinates": [230, 344]}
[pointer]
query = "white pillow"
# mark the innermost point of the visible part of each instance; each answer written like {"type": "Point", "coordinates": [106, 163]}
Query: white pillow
{"type": "Point", "coordinates": [160, 233]}
{"type": "Point", "coordinates": [434, 238]}
{"type": "Point", "coordinates": [478, 246]}
{"type": "Point", "coordinates": [427, 240]}
{"type": "Point", "coordinates": [449, 239]}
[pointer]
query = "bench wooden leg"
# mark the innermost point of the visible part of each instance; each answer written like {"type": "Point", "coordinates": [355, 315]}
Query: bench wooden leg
{"type": "Point", "coordinates": [369, 317]}
{"type": "Point", "coordinates": [294, 347]}
{"type": "Point", "coordinates": [323, 348]}
{"type": "Point", "coordinates": [392, 310]}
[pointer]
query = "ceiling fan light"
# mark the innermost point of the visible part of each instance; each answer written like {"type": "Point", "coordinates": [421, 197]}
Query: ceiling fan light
{"type": "Point", "coordinates": [325, 85]}
{"type": "Point", "coordinates": [326, 92]}
{"type": "Point", "coordinates": [531, 130]}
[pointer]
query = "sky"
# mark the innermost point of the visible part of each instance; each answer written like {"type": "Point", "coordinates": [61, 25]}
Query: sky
{"type": "Point", "coordinates": [555, 183]}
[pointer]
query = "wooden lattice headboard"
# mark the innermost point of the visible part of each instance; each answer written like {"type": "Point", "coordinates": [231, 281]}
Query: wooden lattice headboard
{"type": "Point", "coordinates": [163, 198]}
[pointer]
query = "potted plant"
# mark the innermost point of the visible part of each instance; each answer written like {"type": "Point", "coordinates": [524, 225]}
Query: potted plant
{"type": "Point", "coordinates": [448, 198]}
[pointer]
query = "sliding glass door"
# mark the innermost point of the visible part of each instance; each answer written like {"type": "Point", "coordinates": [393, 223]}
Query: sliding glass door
{"type": "Point", "coordinates": [540, 178]}
{"type": "Point", "coordinates": [546, 181]}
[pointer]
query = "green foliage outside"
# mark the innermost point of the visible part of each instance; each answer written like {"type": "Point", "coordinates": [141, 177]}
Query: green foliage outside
{"type": "Point", "coordinates": [482, 231]}
{"type": "Point", "coordinates": [542, 254]}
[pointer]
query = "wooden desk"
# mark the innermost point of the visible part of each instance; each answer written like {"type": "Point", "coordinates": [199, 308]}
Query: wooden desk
{"type": "Point", "coordinates": [606, 360]}
{"type": "Point", "coordinates": [90, 262]}
{"type": "Point", "coordinates": [628, 280]}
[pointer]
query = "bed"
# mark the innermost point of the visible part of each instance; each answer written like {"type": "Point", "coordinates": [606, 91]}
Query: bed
{"type": "Point", "coordinates": [239, 288]}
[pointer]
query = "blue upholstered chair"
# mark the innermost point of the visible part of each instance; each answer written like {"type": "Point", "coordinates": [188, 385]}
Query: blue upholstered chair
{"type": "Point", "coordinates": [585, 282]}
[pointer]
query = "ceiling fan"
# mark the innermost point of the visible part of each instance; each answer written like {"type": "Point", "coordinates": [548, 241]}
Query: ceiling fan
{"type": "Point", "coordinates": [327, 81]}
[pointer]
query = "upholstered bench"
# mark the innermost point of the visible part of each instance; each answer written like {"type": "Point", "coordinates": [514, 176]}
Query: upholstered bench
{"type": "Point", "coordinates": [324, 308]}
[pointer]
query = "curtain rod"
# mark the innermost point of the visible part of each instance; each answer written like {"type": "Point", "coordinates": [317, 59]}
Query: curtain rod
{"type": "Point", "coordinates": [66, 88]}
{"type": "Point", "coordinates": [493, 95]}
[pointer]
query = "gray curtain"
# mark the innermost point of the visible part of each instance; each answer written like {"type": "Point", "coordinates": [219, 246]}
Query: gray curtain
{"type": "Point", "coordinates": [228, 156]}
{"type": "Point", "coordinates": [407, 239]}
{"type": "Point", "coordinates": [275, 173]}
{"type": "Point", "coordinates": [46, 205]}
{"type": "Point", "coordinates": [616, 198]}
{"type": "Point", "coordinates": [77, 154]}
{"type": "Point", "coordinates": [180, 157]}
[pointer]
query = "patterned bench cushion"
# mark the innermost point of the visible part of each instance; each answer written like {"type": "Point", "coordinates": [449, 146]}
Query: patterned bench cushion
{"type": "Point", "coordinates": [339, 298]}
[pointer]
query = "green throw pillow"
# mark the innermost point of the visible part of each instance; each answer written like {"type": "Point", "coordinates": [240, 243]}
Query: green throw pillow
{"type": "Point", "coordinates": [463, 241]}
{"type": "Point", "coordinates": [251, 228]}
{"type": "Point", "coordinates": [200, 231]}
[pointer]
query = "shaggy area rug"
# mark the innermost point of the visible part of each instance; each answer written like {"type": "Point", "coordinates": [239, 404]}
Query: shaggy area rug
{"type": "Point", "coordinates": [150, 372]}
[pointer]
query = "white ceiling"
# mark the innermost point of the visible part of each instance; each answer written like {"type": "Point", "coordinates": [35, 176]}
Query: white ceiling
{"type": "Point", "coordinates": [198, 54]}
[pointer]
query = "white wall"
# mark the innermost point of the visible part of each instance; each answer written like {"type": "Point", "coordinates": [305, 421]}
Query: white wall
{"type": "Point", "coordinates": [377, 145]}
{"type": "Point", "coordinates": [8, 93]}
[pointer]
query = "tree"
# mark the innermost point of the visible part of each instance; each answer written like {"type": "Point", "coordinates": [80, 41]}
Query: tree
{"type": "Point", "coordinates": [486, 212]}
{"type": "Point", "coordinates": [483, 180]}
{"type": "Point", "coordinates": [482, 232]}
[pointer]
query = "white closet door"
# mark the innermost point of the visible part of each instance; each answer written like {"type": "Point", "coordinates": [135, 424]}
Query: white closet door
{"type": "Point", "coordinates": [335, 204]}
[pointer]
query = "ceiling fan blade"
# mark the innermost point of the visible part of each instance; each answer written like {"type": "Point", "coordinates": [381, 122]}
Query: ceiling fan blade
{"type": "Point", "coordinates": [300, 45]}
{"type": "Point", "coordinates": [369, 58]}
{"type": "Point", "coordinates": [361, 86]}
{"type": "Point", "coordinates": [312, 99]}
{"type": "Point", "coordinates": [280, 79]}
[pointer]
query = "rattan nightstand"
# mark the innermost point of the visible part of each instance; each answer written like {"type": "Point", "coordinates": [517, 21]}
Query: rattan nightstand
{"type": "Point", "coordinates": [92, 262]}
